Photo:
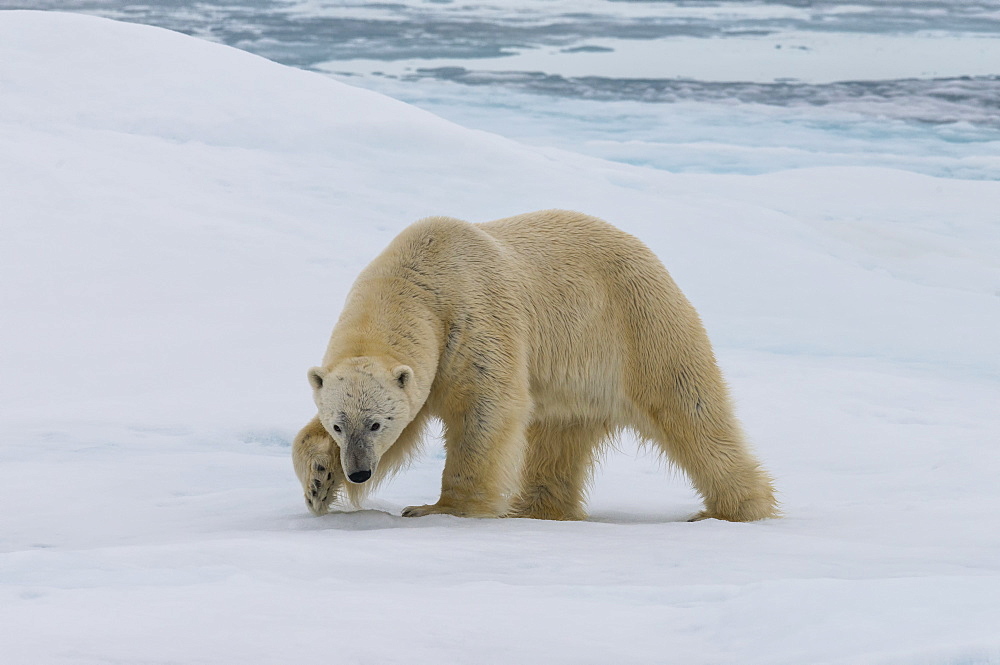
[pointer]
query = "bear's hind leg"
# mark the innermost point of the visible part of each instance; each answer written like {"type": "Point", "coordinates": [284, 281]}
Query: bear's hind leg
{"type": "Point", "coordinates": [703, 437]}
{"type": "Point", "coordinates": [557, 465]}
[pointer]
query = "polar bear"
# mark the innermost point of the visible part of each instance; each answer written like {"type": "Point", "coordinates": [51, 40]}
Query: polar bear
{"type": "Point", "coordinates": [534, 339]}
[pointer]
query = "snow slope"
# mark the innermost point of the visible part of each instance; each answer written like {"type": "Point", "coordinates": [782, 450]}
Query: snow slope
{"type": "Point", "coordinates": [180, 224]}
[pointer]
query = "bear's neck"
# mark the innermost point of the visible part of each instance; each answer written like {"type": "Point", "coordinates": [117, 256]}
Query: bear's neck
{"type": "Point", "coordinates": [389, 318]}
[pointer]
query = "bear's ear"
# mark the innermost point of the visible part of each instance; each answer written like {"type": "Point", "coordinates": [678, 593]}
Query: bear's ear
{"type": "Point", "coordinates": [403, 375]}
{"type": "Point", "coordinates": [316, 375]}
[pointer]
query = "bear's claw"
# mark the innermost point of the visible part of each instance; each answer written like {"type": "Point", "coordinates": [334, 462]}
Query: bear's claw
{"type": "Point", "coordinates": [462, 510]}
{"type": "Point", "coordinates": [421, 511]}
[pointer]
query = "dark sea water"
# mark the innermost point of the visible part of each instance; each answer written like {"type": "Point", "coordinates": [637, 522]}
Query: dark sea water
{"type": "Point", "coordinates": [732, 87]}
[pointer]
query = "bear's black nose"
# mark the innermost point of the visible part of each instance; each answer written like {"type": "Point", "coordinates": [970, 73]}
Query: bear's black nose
{"type": "Point", "coordinates": [360, 476]}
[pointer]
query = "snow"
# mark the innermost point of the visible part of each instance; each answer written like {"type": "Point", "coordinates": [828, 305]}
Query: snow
{"type": "Point", "coordinates": [180, 224]}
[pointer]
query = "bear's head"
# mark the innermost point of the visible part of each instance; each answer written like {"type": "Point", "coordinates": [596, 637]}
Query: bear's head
{"type": "Point", "coordinates": [364, 403]}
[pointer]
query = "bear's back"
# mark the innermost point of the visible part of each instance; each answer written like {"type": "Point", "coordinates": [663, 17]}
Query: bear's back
{"type": "Point", "coordinates": [581, 262]}
{"type": "Point", "coordinates": [566, 242]}
{"type": "Point", "coordinates": [600, 306]}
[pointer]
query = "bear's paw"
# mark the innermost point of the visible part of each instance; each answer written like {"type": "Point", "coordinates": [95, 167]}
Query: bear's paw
{"type": "Point", "coordinates": [320, 486]}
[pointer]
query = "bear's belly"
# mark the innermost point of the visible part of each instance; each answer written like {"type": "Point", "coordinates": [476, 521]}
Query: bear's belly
{"type": "Point", "coordinates": [596, 399]}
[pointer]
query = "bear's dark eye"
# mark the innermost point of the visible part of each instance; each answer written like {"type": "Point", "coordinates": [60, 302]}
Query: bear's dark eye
{"type": "Point", "coordinates": [375, 427]}
{"type": "Point", "coordinates": [336, 428]}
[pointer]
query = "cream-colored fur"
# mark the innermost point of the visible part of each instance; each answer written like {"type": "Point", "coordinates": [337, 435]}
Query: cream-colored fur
{"type": "Point", "coordinates": [535, 339]}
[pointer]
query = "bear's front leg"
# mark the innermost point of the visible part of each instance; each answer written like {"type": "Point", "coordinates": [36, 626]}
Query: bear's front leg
{"type": "Point", "coordinates": [484, 446]}
{"type": "Point", "coordinates": [316, 458]}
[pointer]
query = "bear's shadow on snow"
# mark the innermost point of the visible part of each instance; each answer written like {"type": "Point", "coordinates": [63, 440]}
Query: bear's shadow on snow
{"type": "Point", "coordinates": [625, 517]}
{"type": "Point", "coordinates": [371, 519]}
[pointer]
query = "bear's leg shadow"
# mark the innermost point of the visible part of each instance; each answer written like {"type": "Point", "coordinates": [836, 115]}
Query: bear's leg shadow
{"type": "Point", "coordinates": [484, 443]}
{"type": "Point", "coordinates": [557, 466]}
{"type": "Point", "coordinates": [699, 432]}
